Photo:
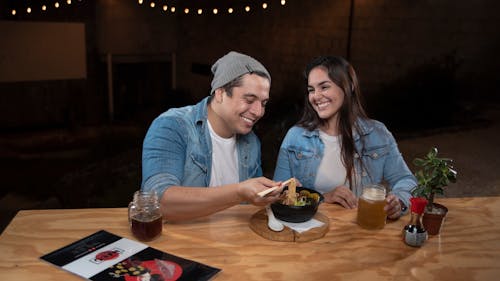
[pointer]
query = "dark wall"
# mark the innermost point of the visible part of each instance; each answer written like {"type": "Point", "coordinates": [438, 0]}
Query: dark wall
{"type": "Point", "coordinates": [406, 53]}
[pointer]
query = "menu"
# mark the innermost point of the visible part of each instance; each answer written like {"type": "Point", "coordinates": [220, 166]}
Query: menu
{"type": "Point", "coordinates": [104, 256]}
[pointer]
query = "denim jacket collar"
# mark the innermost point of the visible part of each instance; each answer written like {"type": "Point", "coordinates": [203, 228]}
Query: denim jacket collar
{"type": "Point", "coordinates": [201, 118]}
{"type": "Point", "coordinates": [364, 129]}
{"type": "Point", "coordinates": [311, 134]}
{"type": "Point", "coordinates": [201, 110]}
{"type": "Point", "coordinates": [364, 126]}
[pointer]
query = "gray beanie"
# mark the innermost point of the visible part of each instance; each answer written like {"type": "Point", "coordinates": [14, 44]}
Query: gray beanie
{"type": "Point", "coordinates": [232, 66]}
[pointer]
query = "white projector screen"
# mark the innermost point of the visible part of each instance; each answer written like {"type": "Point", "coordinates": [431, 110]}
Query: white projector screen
{"type": "Point", "coordinates": [34, 51]}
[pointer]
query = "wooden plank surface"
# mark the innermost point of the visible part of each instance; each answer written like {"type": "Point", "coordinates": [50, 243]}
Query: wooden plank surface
{"type": "Point", "coordinates": [467, 249]}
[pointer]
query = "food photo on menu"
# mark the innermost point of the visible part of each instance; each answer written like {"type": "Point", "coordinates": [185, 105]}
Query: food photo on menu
{"type": "Point", "coordinates": [104, 256]}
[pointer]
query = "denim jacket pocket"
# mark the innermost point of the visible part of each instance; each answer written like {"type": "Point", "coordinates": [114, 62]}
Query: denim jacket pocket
{"type": "Point", "coordinates": [305, 164]}
{"type": "Point", "coordinates": [376, 152]}
{"type": "Point", "coordinates": [301, 155]}
{"type": "Point", "coordinates": [373, 164]}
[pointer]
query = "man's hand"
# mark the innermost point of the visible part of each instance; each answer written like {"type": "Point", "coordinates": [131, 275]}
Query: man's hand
{"type": "Point", "coordinates": [248, 191]}
{"type": "Point", "coordinates": [342, 195]}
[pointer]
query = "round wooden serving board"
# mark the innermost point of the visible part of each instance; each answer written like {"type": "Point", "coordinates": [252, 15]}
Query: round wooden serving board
{"type": "Point", "coordinates": [258, 223]}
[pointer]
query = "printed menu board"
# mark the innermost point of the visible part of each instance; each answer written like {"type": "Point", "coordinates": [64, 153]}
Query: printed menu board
{"type": "Point", "coordinates": [105, 256]}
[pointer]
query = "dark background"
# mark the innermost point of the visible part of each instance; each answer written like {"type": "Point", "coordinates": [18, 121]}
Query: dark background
{"type": "Point", "coordinates": [426, 68]}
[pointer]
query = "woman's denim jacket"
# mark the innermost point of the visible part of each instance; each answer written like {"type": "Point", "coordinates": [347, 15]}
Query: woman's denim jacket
{"type": "Point", "coordinates": [177, 150]}
{"type": "Point", "coordinates": [301, 152]}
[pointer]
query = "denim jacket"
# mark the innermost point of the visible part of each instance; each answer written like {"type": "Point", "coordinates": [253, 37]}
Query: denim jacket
{"type": "Point", "coordinates": [302, 150]}
{"type": "Point", "coordinates": [177, 150]}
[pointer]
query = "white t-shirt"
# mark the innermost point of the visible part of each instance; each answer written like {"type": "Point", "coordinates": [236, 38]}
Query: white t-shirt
{"type": "Point", "coordinates": [331, 170]}
{"type": "Point", "coordinates": [224, 160]}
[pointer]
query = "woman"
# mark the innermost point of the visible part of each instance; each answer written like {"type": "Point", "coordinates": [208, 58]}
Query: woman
{"type": "Point", "coordinates": [336, 149]}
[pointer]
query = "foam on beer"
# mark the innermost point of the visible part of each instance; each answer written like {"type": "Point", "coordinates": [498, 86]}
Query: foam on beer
{"type": "Point", "coordinates": [371, 214]}
{"type": "Point", "coordinates": [373, 193]}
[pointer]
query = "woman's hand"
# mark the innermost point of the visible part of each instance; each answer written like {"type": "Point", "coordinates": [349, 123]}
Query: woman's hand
{"type": "Point", "coordinates": [342, 195]}
{"type": "Point", "coordinates": [392, 207]}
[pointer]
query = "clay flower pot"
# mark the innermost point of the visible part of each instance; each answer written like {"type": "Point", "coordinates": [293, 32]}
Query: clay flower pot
{"type": "Point", "coordinates": [433, 221]}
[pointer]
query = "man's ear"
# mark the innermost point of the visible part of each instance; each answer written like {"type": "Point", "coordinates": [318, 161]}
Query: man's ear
{"type": "Point", "coordinates": [219, 94]}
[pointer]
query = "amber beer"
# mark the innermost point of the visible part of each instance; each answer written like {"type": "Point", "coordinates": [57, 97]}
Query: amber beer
{"type": "Point", "coordinates": [144, 215]}
{"type": "Point", "coordinates": [371, 203]}
{"type": "Point", "coordinates": [145, 227]}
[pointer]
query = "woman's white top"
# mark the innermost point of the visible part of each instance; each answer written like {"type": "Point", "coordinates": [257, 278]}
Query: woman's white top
{"type": "Point", "coordinates": [331, 170]}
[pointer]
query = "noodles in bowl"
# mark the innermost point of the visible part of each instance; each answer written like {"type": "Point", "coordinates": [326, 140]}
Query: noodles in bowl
{"type": "Point", "coordinates": [298, 204]}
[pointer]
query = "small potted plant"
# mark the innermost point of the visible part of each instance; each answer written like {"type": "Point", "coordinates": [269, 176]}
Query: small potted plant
{"type": "Point", "coordinates": [435, 174]}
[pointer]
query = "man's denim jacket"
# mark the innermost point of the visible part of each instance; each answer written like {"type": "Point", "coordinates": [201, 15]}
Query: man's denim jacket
{"type": "Point", "coordinates": [177, 150]}
{"type": "Point", "coordinates": [302, 150]}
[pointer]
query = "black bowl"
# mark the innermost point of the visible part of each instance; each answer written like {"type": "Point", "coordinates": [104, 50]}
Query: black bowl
{"type": "Point", "coordinates": [296, 213]}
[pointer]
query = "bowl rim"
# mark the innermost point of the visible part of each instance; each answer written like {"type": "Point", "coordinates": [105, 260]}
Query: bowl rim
{"type": "Point", "coordinates": [299, 188]}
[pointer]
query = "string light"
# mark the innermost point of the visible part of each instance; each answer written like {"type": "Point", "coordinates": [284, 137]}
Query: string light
{"type": "Point", "coordinates": [188, 7]}
{"type": "Point", "coordinates": [237, 7]}
{"type": "Point", "coordinates": [32, 8]}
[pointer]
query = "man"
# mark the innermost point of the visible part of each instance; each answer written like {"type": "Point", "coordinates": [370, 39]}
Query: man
{"type": "Point", "coordinates": [211, 144]}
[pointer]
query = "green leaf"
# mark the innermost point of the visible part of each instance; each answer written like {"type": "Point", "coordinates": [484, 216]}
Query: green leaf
{"type": "Point", "coordinates": [435, 174]}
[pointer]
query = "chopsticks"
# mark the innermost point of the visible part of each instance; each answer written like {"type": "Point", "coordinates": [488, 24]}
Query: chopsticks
{"type": "Point", "coordinates": [271, 189]}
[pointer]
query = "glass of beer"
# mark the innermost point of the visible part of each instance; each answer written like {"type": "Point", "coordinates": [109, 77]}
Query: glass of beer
{"type": "Point", "coordinates": [371, 214]}
{"type": "Point", "coordinates": [144, 216]}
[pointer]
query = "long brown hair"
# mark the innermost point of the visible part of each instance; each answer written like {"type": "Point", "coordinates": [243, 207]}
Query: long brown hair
{"type": "Point", "coordinates": [343, 75]}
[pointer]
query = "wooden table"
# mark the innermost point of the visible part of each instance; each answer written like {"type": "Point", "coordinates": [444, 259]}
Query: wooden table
{"type": "Point", "coordinates": [468, 247]}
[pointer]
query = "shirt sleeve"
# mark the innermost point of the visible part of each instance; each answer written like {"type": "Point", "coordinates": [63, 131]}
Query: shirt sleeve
{"type": "Point", "coordinates": [163, 155]}
{"type": "Point", "coordinates": [399, 176]}
{"type": "Point", "coordinates": [282, 171]}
